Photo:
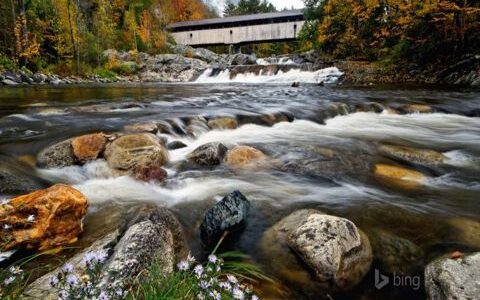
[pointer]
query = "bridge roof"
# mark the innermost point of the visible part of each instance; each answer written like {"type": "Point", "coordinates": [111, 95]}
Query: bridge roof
{"type": "Point", "coordinates": [238, 19]}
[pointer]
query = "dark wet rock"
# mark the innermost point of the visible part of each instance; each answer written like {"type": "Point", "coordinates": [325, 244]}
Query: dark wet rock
{"type": "Point", "coordinates": [448, 278]}
{"type": "Point", "coordinates": [39, 77]}
{"type": "Point", "coordinates": [241, 59]}
{"type": "Point", "coordinates": [132, 150]}
{"type": "Point", "coordinates": [296, 84]}
{"type": "Point", "coordinates": [210, 154]}
{"type": "Point", "coordinates": [57, 156]}
{"type": "Point", "coordinates": [151, 235]}
{"type": "Point", "coordinates": [26, 79]}
{"type": "Point", "coordinates": [370, 107]}
{"type": "Point", "coordinates": [223, 123]}
{"type": "Point", "coordinates": [334, 248]}
{"type": "Point", "coordinates": [176, 145]}
{"type": "Point", "coordinates": [197, 126]}
{"type": "Point", "coordinates": [14, 181]}
{"type": "Point", "coordinates": [395, 255]}
{"type": "Point", "coordinates": [413, 155]}
{"type": "Point", "coordinates": [150, 173]}
{"type": "Point", "coordinates": [230, 214]}
{"type": "Point", "coordinates": [463, 230]}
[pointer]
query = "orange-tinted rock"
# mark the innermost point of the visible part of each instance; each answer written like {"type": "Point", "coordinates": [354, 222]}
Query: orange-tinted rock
{"type": "Point", "coordinates": [223, 123]}
{"type": "Point", "coordinates": [398, 176]}
{"type": "Point", "coordinates": [88, 147]}
{"type": "Point", "coordinates": [44, 219]}
{"type": "Point", "coordinates": [244, 157]}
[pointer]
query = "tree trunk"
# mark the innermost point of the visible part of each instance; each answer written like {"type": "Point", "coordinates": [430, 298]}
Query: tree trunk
{"type": "Point", "coordinates": [72, 37]}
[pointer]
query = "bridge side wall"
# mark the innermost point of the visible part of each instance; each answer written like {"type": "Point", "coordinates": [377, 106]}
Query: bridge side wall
{"type": "Point", "coordinates": [238, 35]}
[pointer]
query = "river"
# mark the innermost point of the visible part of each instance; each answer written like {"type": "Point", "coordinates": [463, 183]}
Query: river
{"type": "Point", "coordinates": [32, 118]}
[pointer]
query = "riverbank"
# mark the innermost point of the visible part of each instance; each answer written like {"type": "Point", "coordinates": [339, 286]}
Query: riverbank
{"type": "Point", "coordinates": [186, 64]}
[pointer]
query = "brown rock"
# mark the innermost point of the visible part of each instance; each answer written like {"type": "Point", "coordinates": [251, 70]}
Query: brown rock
{"type": "Point", "coordinates": [416, 108]}
{"type": "Point", "coordinates": [413, 155]}
{"type": "Point", "coordinates": [398, 176]}
{"type": "Point", "coordinates": [245, 157]}
{"type": "Point", "coordinates": [223, 123]}
{"type": "Point", "coordinates": [88, 147]}
{"type": "Point", "coordinates": [130, 151]}
{"type": "Point", "coordinates": [150, 173]}
{"type": "Point", "coordinates": [44, 219]}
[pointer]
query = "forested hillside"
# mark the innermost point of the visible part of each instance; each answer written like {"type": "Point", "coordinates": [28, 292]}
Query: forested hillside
{"type": "Point", "coordinates": [68, 36]}
{"type": "Point", "coordinates": [417, 31]}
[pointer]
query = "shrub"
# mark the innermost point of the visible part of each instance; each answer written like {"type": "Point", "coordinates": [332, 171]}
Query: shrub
{"type": "Point", "coordinates": [6, 64]}
{"type": "Point", "coordinates": [106, 74]}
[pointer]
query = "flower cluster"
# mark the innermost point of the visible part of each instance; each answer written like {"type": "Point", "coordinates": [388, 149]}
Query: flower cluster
{"type": "Point", "coordinates": [213, 283]}
{"type": "Point", "coordinates": [9, 278]}
{"type": "Point", "coordinates": [71, 286]}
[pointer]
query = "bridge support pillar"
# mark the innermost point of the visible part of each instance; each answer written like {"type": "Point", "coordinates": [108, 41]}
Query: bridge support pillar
{"type": "Point", "coordinates": [235, 48]}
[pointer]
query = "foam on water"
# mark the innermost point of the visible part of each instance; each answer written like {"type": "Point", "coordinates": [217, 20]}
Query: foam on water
{"type": "Point", "coordinates": [327, 75]}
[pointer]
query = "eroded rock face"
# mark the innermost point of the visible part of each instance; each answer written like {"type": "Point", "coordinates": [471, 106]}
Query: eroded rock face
{"type": "Point", "coordinates": [88, 147]}
{"type": "Point", "coordinates": [130, 151]}
{"type": "Point", "coordinates": [44, 219]}
{"type": "Point", "coordinates": [334, 248]}
{"type": "Point", "coordinates": [447, 278]}
{"type": "Point", "coordinates": [399, 177]}
{"type": "Point", "coordinates": [223, 123]}
{"type": "Point", "coordinates": [413, 155]}
{"type": "Point", "coordinates": [57, 156]}
{"type": "Point", "coordinates": [245, 157]}
{"type": "Point", "coordinates": [210, 154]}
{"type": "Point", "coordinates": [230, 214]}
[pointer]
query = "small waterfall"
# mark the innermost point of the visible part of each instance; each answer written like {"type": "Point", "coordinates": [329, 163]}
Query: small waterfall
{"type": "Point", "coordinates": [280, 73]}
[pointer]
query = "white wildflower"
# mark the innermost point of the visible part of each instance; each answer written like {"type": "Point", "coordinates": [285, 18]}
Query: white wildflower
{"type": "Point", "coordinates": [9, 280]}
{"type": "Point", "coordinates": [54, 281]}
{"type": "Point", "coordinates": [212, 258]}
{"type": "Point", "coordinates": [198, 270]}
{"type": "Point", "coordinates": [72, 280]}
{"type": "Point", "coordinates": [204, 284]}
{"type": "Point", "coordinates": [238, 294]}
{"type": "Point", "coordinates": [215, 295]}
{"type": "Point", "coordinates": [232, 279]}
{"type": "Point", "coordinates": [103, 296]}
{"type": "Point", "coordinates": [190, 258]}
{"type": "Point", "coordinates": [67, 268]}
{"type": "Point", "coordinates": [225, 285]}
{"type": "Point", "coordinates": [15, 270]}
{"type": "Point", "coordinates": [183, 265]}
{"type": "Point", "coordinates": [255, 297]}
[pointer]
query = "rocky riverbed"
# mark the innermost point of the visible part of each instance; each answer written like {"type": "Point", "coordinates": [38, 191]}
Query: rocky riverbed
{"type": "Point", "coordinates": [329, 190]}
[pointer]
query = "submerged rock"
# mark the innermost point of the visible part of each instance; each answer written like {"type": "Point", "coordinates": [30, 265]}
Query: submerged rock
{"type": "Point", "coordinates": [415, 108]}
{"type": "Point", "coordinates": [223, 123]}
{"type": "Point", "coordinates": [464, 230]}
{"type": "Point", "coordinates": [413, 155]}
{"type": "Point", "coordinates": [133, 150]}
{"type": "Point", "coordinates": [334, 248]}
{"type": "Point", "coordinates": [57, 156]}
{"type": "Point", "coordinates": [245, 157]}
{"type": "Point", "coordinates": [447, 278]}
{"type": "Point", "coordinates": [44, 219]}
{"type": "Point", "coordinates": [230, 214]}
{"type": "Point", "coordinates": [398, 176]}
{"type": "Point", "coordinates": [210, 154]}
{"type": "Point", "coordinates": [176, 145]}
{"type": "Point", "coordinates": [395, 255]}
{"type": "Point", "coordinates": [88, 147]}
{"type": "Point", "coordinates": [336, 251]}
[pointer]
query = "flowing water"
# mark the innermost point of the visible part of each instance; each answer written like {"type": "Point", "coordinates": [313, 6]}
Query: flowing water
{"type": "Point", "coordinates": [433, 215]}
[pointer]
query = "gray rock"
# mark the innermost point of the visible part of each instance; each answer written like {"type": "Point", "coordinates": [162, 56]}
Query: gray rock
{"type": "Point", "coordinates": [242, 59]}
{"type": "Point", "coordinates": [230, 214]}
{"type": "Point", "coordinates": [199, 53]}
{"type": "Point", "coordinates": [334, 248]}
{"type": "Point", "coordinates": [153, 236]}
{"type": "Point", "coordinates": [9, 82]}
{"type": "Point", "coordinates": [176, 145]}
{"type": "Point", "coordinates": [210, 154]}
{"type": "Point", "coordinates": [476, 81]}
{"type": "Point", "coordinates": [26, 79]}
{"type": "Point", "coordinates": [57, 156]}
{"type": "Point", "coordinates": [39, 77]}
{"type": "Point", "coordinates": [447, 278]}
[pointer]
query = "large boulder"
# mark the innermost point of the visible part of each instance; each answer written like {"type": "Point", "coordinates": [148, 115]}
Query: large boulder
{"type": "Point", "coordinates": [245, 157]}
{"type": "Point", "coordinates": [241, 59]}
{"type": "Point", "coordinates": [130, 151]}
{"type": "Point", "coordinates": [88, 147]}
{"type": "Point", "coordinates": [399, 177]}
{"type": "Point", "coordinates": [333, 248]}
{"type": "Point", "coordinates": [210, 154]}
{"type": "Point", "coordinates": [152, 235]}
{"type": "Point", "coordinates": [453, 278]}
{"type": "Point", "coordinates": [57, 156]}
{"type": "Point", "coordinates": [413, 155]}
{"type": "Point", "coordinates": [44, 219]}
{"type": "Point", "coordinates": [230, 214]}
{"type": "Point", "coordinates": [223, 123]}
{"type": "Point", "coordinates": [198, 53]}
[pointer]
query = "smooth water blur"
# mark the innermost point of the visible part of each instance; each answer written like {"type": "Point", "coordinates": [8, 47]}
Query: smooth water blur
{"type": "Point", "coordinates": [33, 118]}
